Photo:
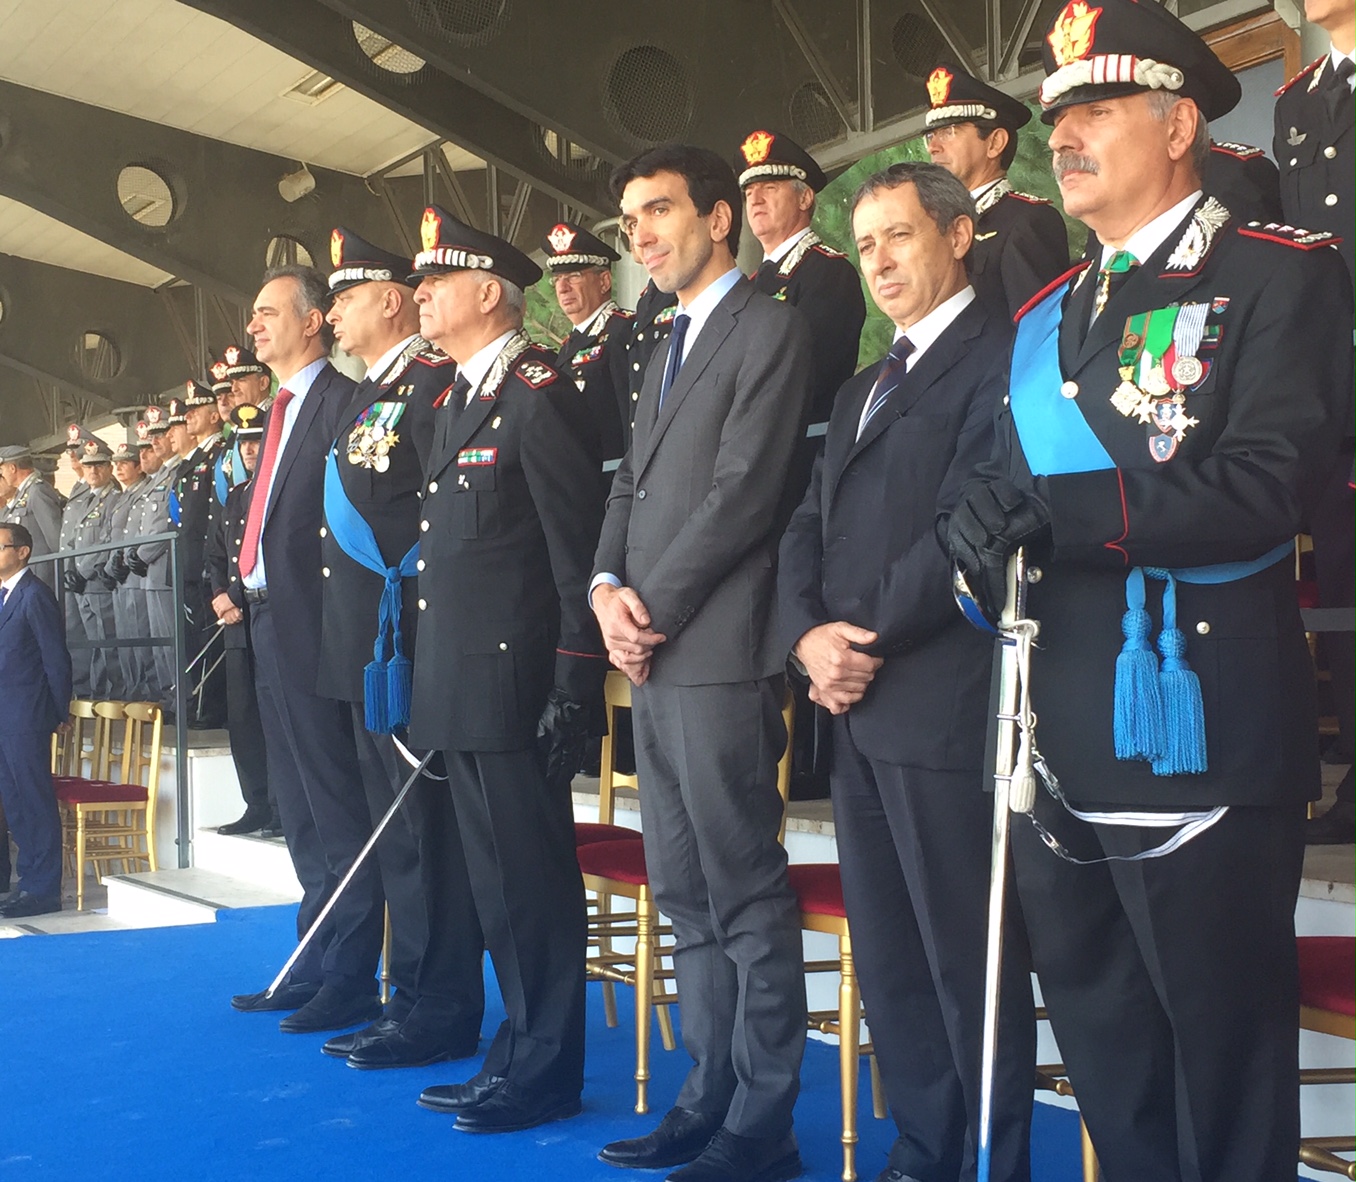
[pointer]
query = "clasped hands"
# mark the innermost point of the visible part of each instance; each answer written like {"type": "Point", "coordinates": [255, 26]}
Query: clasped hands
{"type": "Point", "coordinates": [226, 611]}
{"type": "Point", "coordinates": [624, 621]}
{"type": "Point", "coordinates": [839, 671]}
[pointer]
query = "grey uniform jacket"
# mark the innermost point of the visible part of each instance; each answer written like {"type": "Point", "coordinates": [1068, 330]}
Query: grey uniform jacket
{"type": "Point", "coordinates": [91, 529]}
{"type": "Point", "coordinates": [155, 519]}
{"type": "Point", "coordinates": [37, 506]}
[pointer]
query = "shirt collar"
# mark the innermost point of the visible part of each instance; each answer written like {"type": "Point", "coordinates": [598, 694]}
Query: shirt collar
{"type": "Point", "coordinates": [978, 193]}
{"type": "Point", "coordinates": [478, 365]}
{"type": "Point", "coordinates": [13, 581]}
{"type": "Point", "coordinates": [704, 304]}
{"type": "Point", "coordinates": [924, 332]}
{"type": "Point", "coordinates": [26, 482]}
{"type": "Point", "coordinates": [301, 382]}
{"type": "Point", "coordinates": [780, 251]}
{"type": "Point", "coordinates": [386, 360]}
{"type": "Point", "coordinates": [592, 326]}
{"type": "Point", "coordinates": [1337, 57]}
{"type": "Point", "coordinates": [1150, 236]}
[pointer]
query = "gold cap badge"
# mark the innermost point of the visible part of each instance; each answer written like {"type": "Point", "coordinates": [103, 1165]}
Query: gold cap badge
{"type": "Point", "coordinates": [561, 238]}
{"type": "Point", "coordinates": [756, 147]}
{"type": "Point", "coordinates": [336, 248]}
{"type": "Point", "coordinates": [1071, 37]}
{"type": "Point", "coordinates": [939, 86]}
{"type": "Point", "coordinates": [430, 228]}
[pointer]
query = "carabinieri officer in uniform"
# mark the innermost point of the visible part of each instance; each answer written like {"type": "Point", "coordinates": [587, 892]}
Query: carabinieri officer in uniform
{"type": "Point", "coordinates": [370, 547]}
{"type": "Point", "coordinates": [1173, 407]}
{"type": "Point", "coordinates": [510, 666]}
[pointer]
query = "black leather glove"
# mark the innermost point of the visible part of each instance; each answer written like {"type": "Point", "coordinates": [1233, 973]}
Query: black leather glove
{"type": "Point", "coordinates": [73, 581]}
{"type": "Point", "coordinates": [119, 569]}
{"type": "Point", "coordinates": [991, 522]}
{"type": "Point", "coordinates": [136, 565]}
{"type": "Point", "coordinates": [562, 734]}
{"type": "Point", "coordinates": [106, 579]}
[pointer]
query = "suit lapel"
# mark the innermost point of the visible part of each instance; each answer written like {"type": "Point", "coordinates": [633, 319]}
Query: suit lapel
{"type": "Point", "coordinates": [310, 407]}
{"type": "Point", "coordinates": [840, 445]}
{"type": "Point", "coordinates": [11, 607]}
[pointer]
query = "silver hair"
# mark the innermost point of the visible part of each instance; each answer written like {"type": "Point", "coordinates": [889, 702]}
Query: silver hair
{"type": "Point", "coordinates": [1161, 103]}
{"type": "Point", "coordinates": [515, 299]}
{"type": "Point", "coordinates": [312, 294]}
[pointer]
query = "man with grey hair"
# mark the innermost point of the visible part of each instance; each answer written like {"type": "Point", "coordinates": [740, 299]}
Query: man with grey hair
{"type": "Point", "coordinates": [1156, 479]}
{"type": "Point", "coordinates": [312, 756]}
{"type": "Point", "coordinates": [865, 608]}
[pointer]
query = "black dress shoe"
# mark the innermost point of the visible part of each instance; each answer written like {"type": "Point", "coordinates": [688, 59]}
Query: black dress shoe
{"type": "Point", "coordinates": [404, 1047]}
{"type": "Point", "coordinates": [1338, 825]}
{"type": "Point", "coordinates": [23, 904]}
{"type": "Point", "coordinates": [510, 1110]}
{"type": "Point", "coordinates": [251, 822]}
{"type": "Point", "coordinates": [679, 1138]}
{"type": "Point", "coordinates": [460, 1097]}
{"type": "Point", "coordinates": [332, 1009]}
{"type": "Point", "coordinates": [290, 996]}
{"type": "Point", "coordinates": [732, 1158]}
{"type": "Point", "coordinates": [273, 827]}
{"type": "Point", "coordinates": [341, 1046]}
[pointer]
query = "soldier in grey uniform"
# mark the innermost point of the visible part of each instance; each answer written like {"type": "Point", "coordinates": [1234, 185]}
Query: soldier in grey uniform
{"type": "Point", "coordinates": [130, 618]}
{"type": "Point", "coordinates": [35, 505]}
{"type": "Point", "coordinates": [85, 577]}
{"type": "Point", "coordinates": [150, 561]}
{"type": "Point", "coordinates": [76, 503]}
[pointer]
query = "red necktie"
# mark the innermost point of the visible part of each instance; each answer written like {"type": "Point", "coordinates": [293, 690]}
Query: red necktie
{"type": "Point", "coordinates": [263, 480]}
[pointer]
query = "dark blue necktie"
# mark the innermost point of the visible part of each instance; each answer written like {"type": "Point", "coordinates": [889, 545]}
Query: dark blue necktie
{"type": "Point", "coordinates": [891, 374]}
{"type": "Point", "coordinates": [675, 358]}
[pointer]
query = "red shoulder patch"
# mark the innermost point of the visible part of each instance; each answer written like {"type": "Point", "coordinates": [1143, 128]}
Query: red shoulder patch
{"type": "Point", "coordinates": [1049, 287]}
{"type": "Point", "coordinates": [1304, 73]}
{"type": "Point", "coordinates": [1029, 198]}
{"type": "Point", "coordinates": [624, 314]}
{"type": "Point", "coordinates": [1237, 151]}
{"type": "Point", "coordinates": [536, 373]}
{"type": "Point", "coordinates": [1289, 235]}
{"type": "Point", "coordinates": [434, 356]}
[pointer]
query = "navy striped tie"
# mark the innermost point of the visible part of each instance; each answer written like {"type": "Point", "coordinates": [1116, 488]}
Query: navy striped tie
{"type": "Point", "coordinates": [891, 374]}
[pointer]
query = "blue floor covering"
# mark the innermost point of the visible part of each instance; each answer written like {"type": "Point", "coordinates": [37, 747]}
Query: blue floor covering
{"type": "Point", "coordinates": [123, 1059]}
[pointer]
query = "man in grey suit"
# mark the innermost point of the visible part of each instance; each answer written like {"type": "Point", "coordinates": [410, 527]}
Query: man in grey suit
{"type": "Point", "coordinates": [683, 590]}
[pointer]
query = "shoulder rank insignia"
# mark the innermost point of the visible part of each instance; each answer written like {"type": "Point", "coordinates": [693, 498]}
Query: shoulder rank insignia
{"type": "Point", "coordinates": [477, 457]}
{"type": "Point", "coordinates": [1238, 151]}
{"type": "Point", "coordinates": [825, 249]}
{"type": "Point", "coordinates": [1304, 73]}
{"type": "Point", "coordinates": [1194, 245]}
{"type": "Point", "coordinates": [536, 374]}
{"type": "Point", "coordinates": [1029, 198]}
{"type": "Point", "coordinates": [432, 355]}
{"type": "Point", "coordinates": [1288, 235]}
{"type": "Point", "coordinates": [584, 356]}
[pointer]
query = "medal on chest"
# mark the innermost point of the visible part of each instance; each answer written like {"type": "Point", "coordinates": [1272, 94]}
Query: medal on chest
{"type": "Point", "coordinates": [1160, 362]}
{"type": "Point", "coordinates": [374, 434]}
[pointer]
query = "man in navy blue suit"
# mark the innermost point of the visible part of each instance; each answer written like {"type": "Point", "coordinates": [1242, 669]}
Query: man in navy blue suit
{"type": "Point", "coordinates": [35, 669]}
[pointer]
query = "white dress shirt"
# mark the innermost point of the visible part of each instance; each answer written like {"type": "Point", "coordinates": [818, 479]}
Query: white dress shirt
{"type": "Point", "coordinates": [779, 252]}
{"type": "Point", "coordinates": [478, 366]}
{"type": "Point", "coordinates": [378, 368]}
{"type": "Point", "coordinates": [7, 585]}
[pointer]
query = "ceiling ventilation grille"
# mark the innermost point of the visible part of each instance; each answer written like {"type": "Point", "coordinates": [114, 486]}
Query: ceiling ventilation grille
{"type": "Point", "coordinates": [385, 54]}
{"type": "Point", "coordinates": [145, 196]}
{"type": "Point", "coordinates": [314, 88]}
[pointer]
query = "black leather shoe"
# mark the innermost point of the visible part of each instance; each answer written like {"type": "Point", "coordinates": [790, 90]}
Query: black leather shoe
{"type": "Point", "coordinates": [341, 1046]}
{"type": "Point", "coordinates": [460, 1097]}
{"type": "Point", "coordinates": [23, 904]}
{"type": "Point", "coordinates": [410, 1048]}
{"type": "Point", "coordinates": [1335, 827]}
{"type": "Point", "coordinates": [291, 996]}
{"type": "Point", "coordinates": [679, 1138]}
{"type": "Point", "coordinates": [732, 1158]}
{"type": "Point", "coordinates": [509, 1110]}
{"type": "Point", "coordinates": [251, 822]}
{"type": "Point", "coordinates": [273, 827]}
{"type": "Point", "coordinates": [332, 1009]}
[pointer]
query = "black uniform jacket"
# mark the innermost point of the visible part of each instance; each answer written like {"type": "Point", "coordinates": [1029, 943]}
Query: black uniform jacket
{"type": "Point", "coordinates": [825, 286]}
{"type": "Point", "coordinates": [1245, 181]}
{"type": "Point", "coordinates": [292, 522]}
{"type": "Point", "coordinates": [510, 519]}
{"type": "Point", "coordinates": [223, 559]}
{"type": "Point", "coordinates": [596, 362]}
{"type": "Point", "coordinates": [193, 488]}
{"type": "Point", "coordinates": [384, 440]}
{"type": "Point", "coordinates": [1020, 245]}
{"type": "Point", "coordinates": [650, 327]}
{"type": "Point", "coordinates": [1235, 489]}
{"type": "Point", "coordinates": [863, 546]}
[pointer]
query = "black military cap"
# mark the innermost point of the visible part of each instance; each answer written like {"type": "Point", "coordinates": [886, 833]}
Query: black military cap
{"type": "Point", "coordinates": [957, 97]}
{"type": "Point", "coordinates": [1118, 47]}
{"type": "Point", "coordinates": [570, 247]}
{"type": "Point", "coordinates": [156, 420]}
{"type": "Point", "coordinates": [197, 394]}
{"type": "Point", "coordinates": [240, 362]}
{"type": "Point", "coordinates": [771, 156]}
{"type": "Point", "coordinates": [177, 410]}
{"type": "Point", "coordinates": [221, 377]}
{"type": "Point", "coordinates": [126, 453]}
{"type": "Point", "coordinates": [95, 451]}
{"type": "Point", "coordinates": [248, 422]}
{"type": "Point", "coordinates": [355, 261]}
{"type": "Point", "coordinates": [450, 245]}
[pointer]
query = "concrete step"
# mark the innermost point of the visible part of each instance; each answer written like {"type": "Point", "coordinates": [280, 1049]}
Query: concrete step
{"type": "Point", "coordinates": [249, 860]}
{"type": "Point", "coordinates": [167, 898]}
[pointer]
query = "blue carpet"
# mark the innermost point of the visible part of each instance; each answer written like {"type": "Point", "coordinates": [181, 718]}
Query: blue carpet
{"type": "Point", "coordinates": [125, 1059]}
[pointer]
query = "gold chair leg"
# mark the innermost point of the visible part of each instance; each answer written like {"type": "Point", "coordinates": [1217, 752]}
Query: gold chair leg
{"type": "Point", "coordinates": [849, 1052]}
{"type": "Point", "coordinates": [666, 1035]}
{"type": "Point", "coordinates": [604, 949]}
{"type": "Point", "coordinates": [878, 1109]}
{"type": "Point", "coordinates": [79, 858]}
{"type": "Point", "coordinates": [644, 995]}
{"type": "Point", "coordinates": [1091, 1171]}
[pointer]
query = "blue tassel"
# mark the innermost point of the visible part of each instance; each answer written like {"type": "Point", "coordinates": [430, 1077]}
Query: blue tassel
{"type": "Point", "coordinates": [1183, 752]}
{"type": "Point", "coordinates": [1138, 713]}
{"type": "Point", "coordinates": [376, 716]}
{"type": "Point", "coordinates": [399, 685]}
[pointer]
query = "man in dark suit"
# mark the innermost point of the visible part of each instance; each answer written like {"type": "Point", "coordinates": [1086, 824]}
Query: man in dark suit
{"type": "Point", "coordinates": [373, 482]}
{"type": "Point", "coordinates": [865, 605]}
{"type": "Point", "coordinates": [509, 670]}
{"type": "Point", "coordinates": [35, 669]}
{"type": "Point", "coordinates": [312, 758]}
{"type": "Point", "coordinates": [1158, 481]}
{"type": "Point", "coordinates": [1314, 145]}
{"type": "Point", "coordinates": [1020, 241]}
{"type": "Point", "coordinates": [683, 588]}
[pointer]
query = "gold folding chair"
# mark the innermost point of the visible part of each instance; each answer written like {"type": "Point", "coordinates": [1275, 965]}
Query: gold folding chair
{"type": "Point", "coordinates": [1328, 1006]}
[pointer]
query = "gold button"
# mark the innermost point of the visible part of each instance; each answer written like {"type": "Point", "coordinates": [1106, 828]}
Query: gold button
{"type": "Point", "coordinates": [423, 603]}
{"type": "Point", "coordinates": [324, 570]}
{"type": "Point", "coordinates": [419, 565]}
{"type": "Point", "coordinates": [1330, 199]}
{"type": "Point", "coordinates": [1203, 628]}
{"type": "Point", "coordinates": [503, 646]}
{"type": "Point", "coordinates": [423, 527]}
{"type": "Point", "coordinates": [1069, 390]}
{"type": "Point", "coordinates": [432, 486]}
{"type": "Point", "coordinates": [1330, 152]}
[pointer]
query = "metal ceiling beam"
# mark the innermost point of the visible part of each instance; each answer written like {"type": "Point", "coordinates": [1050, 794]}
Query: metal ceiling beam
{"type": "Point", "coordinates": [63, 157]}
{"type": "Point", "coordinates": [805, 43]}
{"type": "Point", "coordinates": [447, 106]}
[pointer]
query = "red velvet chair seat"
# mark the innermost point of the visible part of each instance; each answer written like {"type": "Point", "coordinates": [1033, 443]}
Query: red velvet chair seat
{"type": "Point", "coordinates": [622, 860]}
{"type": "Point", "coordinates": [592, 832]}
{"type": "Point", "coordinates": [1327, 969]}
{"type": "Point", "coordinates": [75, 791]}
{"type": "Point", "coordinates": [818, 887]}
